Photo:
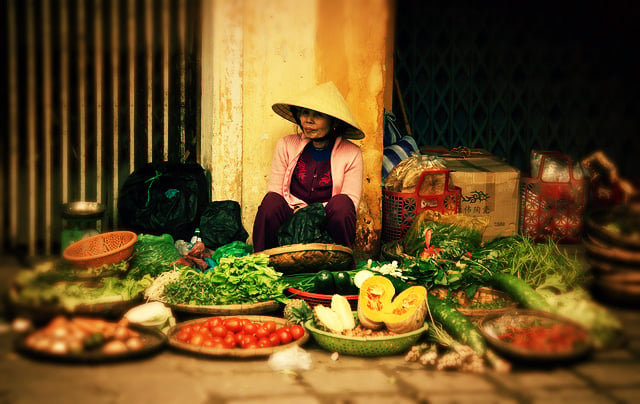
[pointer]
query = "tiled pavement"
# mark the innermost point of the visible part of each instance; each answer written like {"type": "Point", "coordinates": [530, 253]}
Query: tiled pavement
{"type": "Point", "coordinates": [611, 376]}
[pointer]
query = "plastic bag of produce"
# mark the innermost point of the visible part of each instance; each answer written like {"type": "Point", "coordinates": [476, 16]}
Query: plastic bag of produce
{"type": "Point", "coordinates": [454, 233]}
{"type": "Point", "coordinates": [152, 255]}
{"type": "Point", "coordinates": [307, 225]}
{"type": "Point", "coordinates": [164, 197]}
{"type": "Point", "coordinates": [221, 223]}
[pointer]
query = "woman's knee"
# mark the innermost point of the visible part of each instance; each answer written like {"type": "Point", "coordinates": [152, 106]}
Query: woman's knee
{"type": "Point", "coordinates": [341, 206]}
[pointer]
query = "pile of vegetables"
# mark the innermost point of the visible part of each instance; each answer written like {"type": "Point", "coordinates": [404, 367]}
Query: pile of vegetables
{"type": "Point", "coordinates": [235, 280]}
{"type": "Point", "coordinates": [55, 288]}
{"type": "Point", "coordinates": [239, 333]}
{"type": "Point", "coordinates": [63, 336]}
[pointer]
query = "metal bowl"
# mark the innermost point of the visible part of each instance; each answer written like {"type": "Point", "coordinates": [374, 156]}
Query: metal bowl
{"type": "Point", "coordinates": [83, 210]}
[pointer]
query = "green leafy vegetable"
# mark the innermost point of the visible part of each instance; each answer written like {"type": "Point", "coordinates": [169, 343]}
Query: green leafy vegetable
{"type": "Point", "coordinates": [235, 280]}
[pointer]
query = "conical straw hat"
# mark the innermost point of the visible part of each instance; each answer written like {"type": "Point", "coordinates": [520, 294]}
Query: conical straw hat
{"type": "Point", "coordinates": [323, 98]}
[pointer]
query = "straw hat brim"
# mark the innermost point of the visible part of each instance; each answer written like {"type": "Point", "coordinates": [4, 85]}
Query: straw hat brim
{"type": "Point", "coordinates": [323, 98]}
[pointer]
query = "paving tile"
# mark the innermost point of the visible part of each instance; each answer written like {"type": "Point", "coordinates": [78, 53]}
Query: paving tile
{"type": "Point", "coordinates": [470, 398]}
{"type": "Point", "coordinates": [340, 381]}
{"type": "Point", "coordinates": [630, 396]}
{"type": "Point", "coordinates": [611, 374]}
{"type": "Point", "coordinates": [431, 381]}
{"type": "Point", "coordinates": [538, 379]}
{"type": "Point", "coordinates": [288, 399]}
{"type": "Point", "coordinates": [571, 395]}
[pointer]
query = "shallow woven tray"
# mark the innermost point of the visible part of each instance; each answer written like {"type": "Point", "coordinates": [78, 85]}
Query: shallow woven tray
{"type": "Point", "coordinates": [231, 352]}
{"type": "Point", "coordinates": [227, 309]}
{"type": "Point", "coordinates": [483, 295]}
{"type": "Point", "coordinates": [595, 227]}
{"type": "Point", "coordinates": [153, 341]}
{"type": "Point", "coordinates": [42, 313]}
{"type": "Point", "coordinates": [608, 252]}
{"type": "Point", "coordinates": [311, 257]}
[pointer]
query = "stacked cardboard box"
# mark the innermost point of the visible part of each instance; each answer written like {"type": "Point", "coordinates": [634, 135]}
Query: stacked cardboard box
{"type": "Point", "coordinates": [490, 187]}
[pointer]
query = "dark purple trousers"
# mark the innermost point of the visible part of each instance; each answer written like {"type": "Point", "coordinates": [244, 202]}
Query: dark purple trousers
{"type": "Point", "coordinates": [274, 211]}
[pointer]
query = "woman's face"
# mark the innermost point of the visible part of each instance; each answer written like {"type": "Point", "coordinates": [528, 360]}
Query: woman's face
{"type": "Point", "coordinates": [315, 125]}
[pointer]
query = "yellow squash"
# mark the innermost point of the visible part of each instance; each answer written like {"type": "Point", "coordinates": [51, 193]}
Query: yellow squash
{"type": "Point", "coordinates": [407, 311]}
{"type": "Point", "coordinates": [375, 294]}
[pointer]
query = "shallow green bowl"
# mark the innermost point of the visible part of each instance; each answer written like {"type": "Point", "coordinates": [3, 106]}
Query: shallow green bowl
{"type": "Point", "coordinates": [365, 346]}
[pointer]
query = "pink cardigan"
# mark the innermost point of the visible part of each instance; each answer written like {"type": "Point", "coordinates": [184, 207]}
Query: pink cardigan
{"type": "Point", "coordinates": [346, 168]}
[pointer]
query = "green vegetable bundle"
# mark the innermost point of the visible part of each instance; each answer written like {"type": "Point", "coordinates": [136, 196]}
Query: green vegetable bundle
{"type": "Point", "coordinates": [152, 255]}
{"type": "Point", "coordinates": [235, 280]}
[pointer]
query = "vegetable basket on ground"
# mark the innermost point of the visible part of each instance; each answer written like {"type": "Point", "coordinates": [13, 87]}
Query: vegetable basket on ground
{"type": "Point", "coordinates": [310, 257]}
{"type": "Point", "coordinates": [369, 346]}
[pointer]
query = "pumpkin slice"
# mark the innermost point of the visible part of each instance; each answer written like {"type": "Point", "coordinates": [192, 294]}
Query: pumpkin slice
{"type": "Point", "coordinates": [407, 311]}
{"type": "Point", "coordinates": [375, 294]}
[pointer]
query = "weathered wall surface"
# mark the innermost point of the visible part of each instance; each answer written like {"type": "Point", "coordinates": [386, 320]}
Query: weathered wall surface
{"type": "Point", "coordinates": [255, 52]}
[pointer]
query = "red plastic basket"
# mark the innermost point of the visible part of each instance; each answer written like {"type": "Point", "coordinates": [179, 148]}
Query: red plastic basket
{"type": "Point", "coordinates": [315, 299]}
{"type": "Point", "coordinates": [399, 209]}
{"type": "Point", "coordinates": [552, 210]}
{"type": "Point", "coordinates": [102, 249]}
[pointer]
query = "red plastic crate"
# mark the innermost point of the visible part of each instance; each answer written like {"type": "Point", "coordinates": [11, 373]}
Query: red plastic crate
{"type": "Point", "coordinates": [399, 209]}
{"type": "Point", "coordinates": [553, 210]}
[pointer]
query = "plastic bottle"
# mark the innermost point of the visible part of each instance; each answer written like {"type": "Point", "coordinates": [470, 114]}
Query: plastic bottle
{"type": "Point", "coordinates": [196, 236]}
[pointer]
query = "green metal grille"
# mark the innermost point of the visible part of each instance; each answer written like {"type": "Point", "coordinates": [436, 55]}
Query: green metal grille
{"type": "Point", "coordinates": [511, 79]}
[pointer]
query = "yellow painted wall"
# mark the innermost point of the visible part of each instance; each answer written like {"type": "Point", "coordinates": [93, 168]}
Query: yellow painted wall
{"type": "Point", "coordinates": [256, 51]}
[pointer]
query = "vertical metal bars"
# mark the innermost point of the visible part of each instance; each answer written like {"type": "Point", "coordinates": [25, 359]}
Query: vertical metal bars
{"type": "Point", "coordinates": [83, 81]}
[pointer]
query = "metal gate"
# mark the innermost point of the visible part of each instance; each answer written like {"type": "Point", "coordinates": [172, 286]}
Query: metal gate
{"type": "Point", "coordinates": [94, 89]}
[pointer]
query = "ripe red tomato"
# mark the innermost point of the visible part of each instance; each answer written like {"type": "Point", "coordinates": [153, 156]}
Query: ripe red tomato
{"type": "Point", "coordinates": [263, 331]}
{"type": "Point", "coordinates": [208, 343]}
{"type": "Point", "coordinates": [264, 342]}
{"type": "Point", "coordinates": [187, 328]}
{"type": "Point", "coordinates": [213, 321]}
{"type": "Point", "coordinates": [250, 328]}
{"type": "Point", "coordinates": [238, 338]}
{"type": "Point", "coordinates": [297, 331]}
{"type": "Point", "coordinates": [198, 327]}
{"type": "Point", "coordinates": [183, 335]}
{"type": "Point", "coordinates": [270, 326]}
{"type": "Point", "coordinates": [219, 331]}
{"type": "Point", "coordinates": [196, 339]}
{"type": "Point", "coordinates": [274, 339]}
{"type": "Point", "coordinates": [285, 336]}
{"type": "Point", "coordinates": [248, 340]}
{"type": "Point", "coordinates": [233, 324]}
{"type": "Point", "coordinates": [229, 341]}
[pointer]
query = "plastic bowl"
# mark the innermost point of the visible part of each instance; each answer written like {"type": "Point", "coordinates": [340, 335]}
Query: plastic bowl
{"type": "Point", "coordinates": [494, 325]}
{"type": "Point", "coordinates": [365, 346]}
{"type": "Point", "coordinates": [102, 249]}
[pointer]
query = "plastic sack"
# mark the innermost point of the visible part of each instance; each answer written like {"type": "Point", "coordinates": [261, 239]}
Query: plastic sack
{"type": "Point", "coordinates": [233, 249]}
{"type": "Point", "coordinates": [221, 223]}
{"type": "Point", "coordinates": [307, 225]}
{"type": "Point", "coordinates": [152, 255]}
{"type": "Point", "coordinates": [164, 197]}
{"type": "Point", "coordinates": [454, 233]}
{"type": "Point", "coordinates": [404, 176]}
{"type": "Point", "coordinates": [290, 359]}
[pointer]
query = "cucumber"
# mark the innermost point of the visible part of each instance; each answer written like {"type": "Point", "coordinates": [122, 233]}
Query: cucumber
{"type": "Point", "coordinates": [521, 291]}
{"type": "Point", "coordinates": [456, 324]}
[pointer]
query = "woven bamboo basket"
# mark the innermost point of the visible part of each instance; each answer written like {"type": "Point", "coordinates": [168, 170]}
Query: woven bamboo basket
{"type": "Point", "coordinates": [311, 257]}
{"type": "Point", "coordinates": [231, 352]}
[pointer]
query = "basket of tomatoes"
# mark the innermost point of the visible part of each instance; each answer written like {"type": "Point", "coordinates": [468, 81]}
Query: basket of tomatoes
{"type": "Point", "coordinates": [240, 336]}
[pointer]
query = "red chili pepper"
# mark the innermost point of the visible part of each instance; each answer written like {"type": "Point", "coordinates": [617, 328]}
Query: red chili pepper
{"type": "Point", "coordinates": [558, 337]}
